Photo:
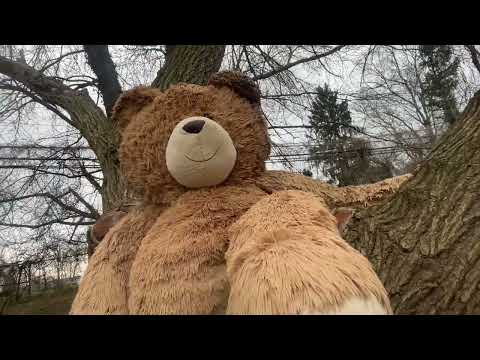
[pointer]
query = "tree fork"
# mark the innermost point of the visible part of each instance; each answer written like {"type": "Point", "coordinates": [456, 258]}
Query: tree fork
{"type": "Point", "coordinates": [192, 64]}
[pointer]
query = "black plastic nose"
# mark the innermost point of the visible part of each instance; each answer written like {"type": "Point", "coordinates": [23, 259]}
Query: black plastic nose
{"type": "Point", "coordinates": [194, 126]}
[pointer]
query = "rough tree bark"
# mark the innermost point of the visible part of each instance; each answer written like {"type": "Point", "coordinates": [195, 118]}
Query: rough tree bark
{"type": "Point", "coordinates": [424, 242]}
{"type": "Point", "coordinates": [191, 64]}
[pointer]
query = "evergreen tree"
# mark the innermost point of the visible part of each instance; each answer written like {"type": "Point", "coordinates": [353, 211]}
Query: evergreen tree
{"type": "Point", "coordinates": [330, 119]}
{"type": "Point", "coordinates": [307, 172]}
{"type": "Point", "coordinates": [331, 125]}
{"type": "Point", "coordinates": [440, 70]}
{"type": "Point", "coordinates": [362, 167]}
{"type": "Point", "coordinates": [343, 158]}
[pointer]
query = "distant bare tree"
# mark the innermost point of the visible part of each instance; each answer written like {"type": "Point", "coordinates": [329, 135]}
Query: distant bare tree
{"type": "Point", "coordinates": [392, 100]}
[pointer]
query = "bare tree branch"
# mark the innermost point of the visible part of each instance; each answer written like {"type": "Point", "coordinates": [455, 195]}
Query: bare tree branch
{"type": "Point", "coordinates": [282, 68]}
{"type": "Point", "coordinates": [85, 203]}
{"type": "Point", "coordinates": [33, 79]}
{"type": "Point", "coordinates": [51, 222]}
{"type": "Point", "coordinates": [58, 59]}
{"type": "Point", "coordinates": [88, 175]}
{"type": "Point", "coordinates": [56, 199]}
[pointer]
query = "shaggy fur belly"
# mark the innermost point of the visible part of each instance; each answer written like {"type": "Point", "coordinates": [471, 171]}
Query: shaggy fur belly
{"type": "Point", "coordinates": [180, 264]}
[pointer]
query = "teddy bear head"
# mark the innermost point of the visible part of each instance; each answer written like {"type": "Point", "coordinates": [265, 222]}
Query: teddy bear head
{"type": "Point", "coordinates": [191, 136]}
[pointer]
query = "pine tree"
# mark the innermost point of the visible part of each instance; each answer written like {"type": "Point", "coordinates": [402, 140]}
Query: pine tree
{"type": "Point", "coordinates": [362, 166]}
{"type": "Point", "coordinates": [331, 125]}
{"type": "Point", "coordinates": [440, 69]}
{"type": "Point", "coordinates": [343, 158]}
{"type": "Point", "coordinates": [330, 119]}
{"type": "Point", "coordinates": [307, 172]}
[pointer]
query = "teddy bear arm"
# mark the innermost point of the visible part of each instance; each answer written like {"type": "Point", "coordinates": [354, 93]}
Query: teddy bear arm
{"type": "Point", "coordinates": [103, 288]}
{"type": "Point", "coordinates": [286, 257]}
{"type": "Point", "coordinates": [357, 196]}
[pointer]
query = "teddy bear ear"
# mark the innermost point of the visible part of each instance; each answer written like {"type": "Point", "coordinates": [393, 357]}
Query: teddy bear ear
{"type": "Point", "coordinates": [130, 103]}
{"type": "Point", "coordinates": [238, 82]}
{"type": "Point", "coordinates": [343, 217]}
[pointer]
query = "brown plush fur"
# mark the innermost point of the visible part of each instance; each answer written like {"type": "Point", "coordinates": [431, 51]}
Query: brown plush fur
{"type": "Point", "coordinates": [347, 196]}
{"type": "Point", "coordinates": [356, 196]}
{"type": "Point", "coordinates": [243, 86]}
{"type": "Point", "coordinates": [185, 254]}
{"type": "Point", "coordinates": [105, 223]}
{"type": "Point", "coordinates": [288, 252]}
{"type": "Point", "coordinates": [226, 249]}
{"type": "Point", "coordinates": [145, 138]}
{"type": "Point", "coordinates": [104, 286]}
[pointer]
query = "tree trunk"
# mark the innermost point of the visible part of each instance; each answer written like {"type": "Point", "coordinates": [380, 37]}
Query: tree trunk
{"type": "Point", "coordinates": [57, 268]}
{"type": "Point", "coordinates": [424, 242]}
{"type": "Point", "coordinates": [5, 303]}
{"type": "Point", "coordinates": [103, 138]}
{"type": "Point", "coordinates": [189, 63]}
{"type": "Point", "coordinates": [19, 280]}
{"type": "Point", "coordinates": [44, 279]}
{"type": "Point", "coordinates": [29, 279]}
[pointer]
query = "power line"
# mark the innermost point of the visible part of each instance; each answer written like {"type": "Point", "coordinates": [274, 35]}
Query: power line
{"type": "Point", "coordinates": [49, 167]}
{"type": "Point", "coordinates": [300, 145]}
{"type": "Point", "coordinates": [352, 150]}
{"type": "Point", "coordinates": [75, 148]}
{"type": "Point", "coordinates": [45, 147]}
{"type": "Point", "coordinates": [47, 159]}
{"type": "Point", "coordinates": [274, 158]}
{"type": "Point", "coordinates": [325, 152]}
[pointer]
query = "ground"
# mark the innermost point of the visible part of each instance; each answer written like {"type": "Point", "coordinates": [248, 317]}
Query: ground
{"type": "Point", "coordinates": [55, 302]}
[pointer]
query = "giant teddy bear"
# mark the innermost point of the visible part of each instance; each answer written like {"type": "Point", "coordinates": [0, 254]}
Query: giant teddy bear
{"type": "Point", "coordinates": [206, 237]}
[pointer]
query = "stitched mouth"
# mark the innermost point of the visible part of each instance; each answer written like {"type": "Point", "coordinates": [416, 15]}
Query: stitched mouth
{"type": "Point", "coordinates": [211, 157]}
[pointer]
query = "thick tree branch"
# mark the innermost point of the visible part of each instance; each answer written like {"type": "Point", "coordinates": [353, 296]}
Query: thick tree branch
{"type": "Point", "coordinates": [51, 92]}
{"type": "Point", "coordinates": [101, 63]}
{"type": "Point", "coordinates": [475, 55]}
{"type": "Point", "coordinates": [36, 99]}
{"type": "Point", "coordinates": [32, 79]}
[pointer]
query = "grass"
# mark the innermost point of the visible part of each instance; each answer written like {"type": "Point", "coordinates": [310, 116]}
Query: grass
{"type": "Point", "coordinates": [53, 302]}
